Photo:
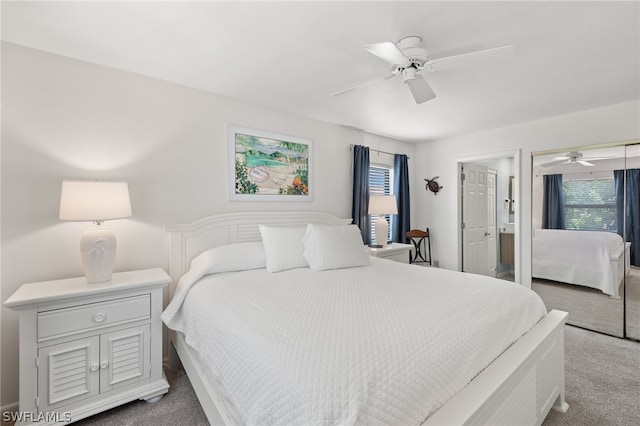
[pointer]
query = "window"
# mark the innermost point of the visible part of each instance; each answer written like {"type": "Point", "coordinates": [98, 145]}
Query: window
{"type": "Point", "coordinates": [590, 204]}
{"type": "Point", "coordinates": [380, 183]}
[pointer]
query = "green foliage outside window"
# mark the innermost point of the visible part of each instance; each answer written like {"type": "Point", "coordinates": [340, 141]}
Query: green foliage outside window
{"type": "Point", "coordinates": [590, 205]}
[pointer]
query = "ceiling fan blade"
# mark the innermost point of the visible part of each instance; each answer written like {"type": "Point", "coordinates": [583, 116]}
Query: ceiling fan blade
{"type": "Point", "coordinates": [488, 56]}
{"type": "Point", "coordinates": [598, 158]}
{"type": "Point", "coordinates": [388, 52]}
{"type": "Point", "coordinates": [561, 158]}
{"type": "Point", "coordinates": [363, 85]}
{"type": "Point", "coordinates": [584, 163]}
{"type": "Point", "coordinates": [420, 89]}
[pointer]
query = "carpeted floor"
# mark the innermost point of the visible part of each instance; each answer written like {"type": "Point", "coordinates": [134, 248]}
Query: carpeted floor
{"type": "Point", "coordinates": [602, 381]}
{"type": "Point", "coordinates": [602, 388]}
{"type": "Point", "coordinates": [178, 407]}
{"type": "Point", "coordinates": [591, 309]}
{"type": "Point", "coordinates": [588, 308]}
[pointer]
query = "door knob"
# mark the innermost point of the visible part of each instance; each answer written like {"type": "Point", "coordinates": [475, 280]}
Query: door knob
{"type": "Point", "coordinates": [486, 234]}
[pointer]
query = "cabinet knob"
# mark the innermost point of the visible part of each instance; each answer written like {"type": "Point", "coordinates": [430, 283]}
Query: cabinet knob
{"type": "Point", "coordinates": [104, 364]}
{"type": "Point", "coordinates": [99, 317]}
{"type": "Point", "coordinates": [94, 367]}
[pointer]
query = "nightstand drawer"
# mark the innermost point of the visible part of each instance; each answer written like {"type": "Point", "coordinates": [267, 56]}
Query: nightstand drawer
{"type": "Point", "coordinates": [62, 322]}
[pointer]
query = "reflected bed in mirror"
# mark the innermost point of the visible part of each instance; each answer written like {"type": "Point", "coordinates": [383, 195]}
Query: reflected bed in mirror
{"type": "Point", "coordinates": [592, 259]}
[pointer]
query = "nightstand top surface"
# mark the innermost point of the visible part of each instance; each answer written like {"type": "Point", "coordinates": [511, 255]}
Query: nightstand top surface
{"type": "Point", "coordinates": [391, 247]}
{"type": "Point", "coordinates": [51, 291]}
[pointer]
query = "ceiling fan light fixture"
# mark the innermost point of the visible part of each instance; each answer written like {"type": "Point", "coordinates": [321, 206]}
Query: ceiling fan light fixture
{"type": "Point", "coordinates": [420, 89]}
{"type": "Point", "coordinates": [408, 74]}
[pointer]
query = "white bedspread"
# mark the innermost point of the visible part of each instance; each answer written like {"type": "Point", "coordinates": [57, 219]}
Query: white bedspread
{"type": "Point", "coordinates": [587, 258]}
{"type": "Point", "coordinates": [382, 344]}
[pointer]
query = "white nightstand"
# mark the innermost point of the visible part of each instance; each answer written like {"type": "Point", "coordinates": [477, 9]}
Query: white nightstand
{"type": "Point", "coordinates": [398, 252]}
{"type": "Point", "coordinates": [85, 348]}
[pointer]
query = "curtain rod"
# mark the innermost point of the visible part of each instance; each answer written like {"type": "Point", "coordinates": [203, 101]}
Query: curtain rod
{"type": "Point", "coordinates": [376, 150]}
{"type": "Point", "coordinates": [576, 173]}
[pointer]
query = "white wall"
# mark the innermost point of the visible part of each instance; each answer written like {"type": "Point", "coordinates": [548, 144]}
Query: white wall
{"type": "Point", "coordinates": [68, 119]}
{"type": "Point", "coordinates": [439, 158]}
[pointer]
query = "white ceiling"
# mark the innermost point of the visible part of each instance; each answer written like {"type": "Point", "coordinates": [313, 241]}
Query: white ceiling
{"type": "Point", "coordinates": [569, 56]}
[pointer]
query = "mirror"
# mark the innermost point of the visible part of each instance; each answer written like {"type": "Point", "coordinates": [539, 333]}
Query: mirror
{"type": "Point", "coordinates": [578, 242]}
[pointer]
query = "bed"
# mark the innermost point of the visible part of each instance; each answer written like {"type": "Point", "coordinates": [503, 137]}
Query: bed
{"type": "Point", "coordinates": [377, 377]}
{"type": "Point", "coordinates": [591, 259]}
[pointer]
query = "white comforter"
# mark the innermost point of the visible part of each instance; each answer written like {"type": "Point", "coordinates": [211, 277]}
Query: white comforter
{"type": "Point", "coordinates": [382, 344]}
{"type": "Point", "coordinates": [587, 258]}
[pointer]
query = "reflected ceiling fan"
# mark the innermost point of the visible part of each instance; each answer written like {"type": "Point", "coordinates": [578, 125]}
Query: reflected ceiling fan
{"type": "Point", "coordinates": [573, 157]}
{"type": "Point", "coordinates": [408, 58]}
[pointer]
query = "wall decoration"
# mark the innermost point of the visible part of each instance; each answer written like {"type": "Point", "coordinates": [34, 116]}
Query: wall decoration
{"type": "Point", "coordinates": [266, 166]}
{"type": "Point", "coordinates": [432, 185]}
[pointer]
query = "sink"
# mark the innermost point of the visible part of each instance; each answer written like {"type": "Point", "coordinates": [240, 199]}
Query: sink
{"type": "Point", "coordinates": [508, 227]}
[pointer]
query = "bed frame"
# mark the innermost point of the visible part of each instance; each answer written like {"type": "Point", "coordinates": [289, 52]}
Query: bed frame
{"type": "Point", "coordinates": [519, 387]}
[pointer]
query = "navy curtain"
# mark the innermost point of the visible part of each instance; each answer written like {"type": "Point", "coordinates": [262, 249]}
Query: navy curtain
{"type": "Point", "coordinates": [633, 214]}
{"type": "Point", "coordinates": [628, 216]}
{"type": "Point", "coordinates": [401, 191]}
{"type": "Point", "coordinates": [553, 203]}
{"type": "Point", "coordinates": [360, 192]}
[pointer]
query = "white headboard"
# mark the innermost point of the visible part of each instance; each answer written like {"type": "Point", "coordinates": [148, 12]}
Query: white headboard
{"type": "Point", "coordinates": [190, 239]}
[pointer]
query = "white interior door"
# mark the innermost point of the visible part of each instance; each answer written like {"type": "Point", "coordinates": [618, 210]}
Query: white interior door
{"type": "Point", "coordinates": [474, 219]}
{"type": "Point", "coordinates": [492, 228]}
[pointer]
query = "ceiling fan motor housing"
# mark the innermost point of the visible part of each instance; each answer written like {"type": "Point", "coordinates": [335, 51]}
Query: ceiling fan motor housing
{"type": "Point", "coordinates": [575, 154]}
{"type": "Point", "coordinates": [412, 48]}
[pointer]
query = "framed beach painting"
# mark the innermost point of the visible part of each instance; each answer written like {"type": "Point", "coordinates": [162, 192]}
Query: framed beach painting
{"type": "Point", "coordinates": [266, 166]}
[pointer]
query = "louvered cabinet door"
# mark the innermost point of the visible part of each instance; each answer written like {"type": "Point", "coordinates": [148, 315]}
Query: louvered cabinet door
{"type": "Point", "coordinates": [67, 373]}
{"type": "Point", "coordinates": [124, 357]}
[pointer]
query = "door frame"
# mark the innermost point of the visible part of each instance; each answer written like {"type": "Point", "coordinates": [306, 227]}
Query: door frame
{"type": "Point", "coordinates": [516, 156]}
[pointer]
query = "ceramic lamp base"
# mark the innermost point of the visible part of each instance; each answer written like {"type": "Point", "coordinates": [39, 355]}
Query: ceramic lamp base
{"type": "Point", "coordinates": [381, 231]}
{"type": "Point", "coordinates": [98, 251]}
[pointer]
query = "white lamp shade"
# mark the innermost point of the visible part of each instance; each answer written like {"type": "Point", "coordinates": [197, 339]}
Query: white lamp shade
{"type": "Point", "coordinates": [94, 200]}
{"type": "Point", "coordinates": [383, 204]}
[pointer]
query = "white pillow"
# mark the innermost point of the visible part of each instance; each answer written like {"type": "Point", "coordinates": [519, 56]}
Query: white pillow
{"type": "Point", "coordinates": [283, 247]}
{"type": "Point", "coordinates": [230, 257]}
{"type": "Point", "coordinates": [334, 247]}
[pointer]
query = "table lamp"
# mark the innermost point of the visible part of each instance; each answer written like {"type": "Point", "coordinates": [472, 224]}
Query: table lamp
{"type": "Point", "coordinates": [381, 205]}
{"type": "Point", "coordinates": [96, 202]}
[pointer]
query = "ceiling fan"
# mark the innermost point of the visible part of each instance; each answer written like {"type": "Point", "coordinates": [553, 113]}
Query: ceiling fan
{"type": "Point", "coordinates": [408, 58]}
{"type": "Point", "coordinates": [573, 157]}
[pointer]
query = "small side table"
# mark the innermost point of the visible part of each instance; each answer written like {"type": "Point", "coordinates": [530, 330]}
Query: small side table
{"type": "Point", "coordinates": [86, 348]}
{"type": "Point", "coordinates": [397, 252]}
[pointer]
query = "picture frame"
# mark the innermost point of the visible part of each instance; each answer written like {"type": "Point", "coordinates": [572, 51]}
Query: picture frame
{"type": "Point", "coordinates": [268, 166]}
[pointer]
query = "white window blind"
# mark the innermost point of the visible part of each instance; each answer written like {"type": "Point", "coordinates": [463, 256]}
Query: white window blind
{"type": "Point", "coordinates": [380, 183]}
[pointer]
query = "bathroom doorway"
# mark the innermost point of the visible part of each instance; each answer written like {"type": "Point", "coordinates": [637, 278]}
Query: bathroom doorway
{"type": "Point", "coordinates": [487, 192]}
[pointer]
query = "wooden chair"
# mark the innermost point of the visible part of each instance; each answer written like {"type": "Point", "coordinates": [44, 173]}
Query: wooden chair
{"type": "Point", "coordinates": [421, 244]}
